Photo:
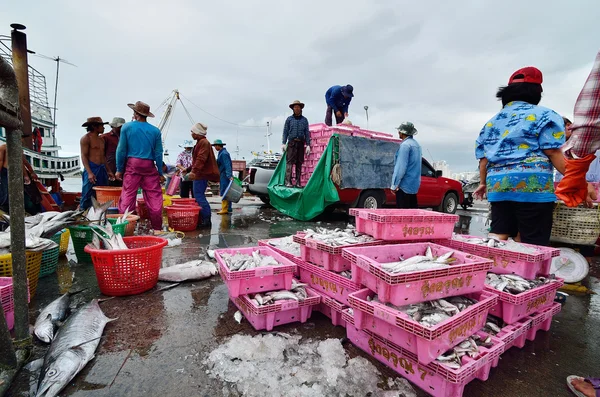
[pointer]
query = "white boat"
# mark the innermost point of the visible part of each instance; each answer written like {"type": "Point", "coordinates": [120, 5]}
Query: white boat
{"type": "Point", "coordinates": [47, 164]}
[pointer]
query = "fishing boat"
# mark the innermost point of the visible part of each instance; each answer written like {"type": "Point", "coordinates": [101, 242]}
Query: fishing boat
{"type": "Point", "coordinates": [47, 164]}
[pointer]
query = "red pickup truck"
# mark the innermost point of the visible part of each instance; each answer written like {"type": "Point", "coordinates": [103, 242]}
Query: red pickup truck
{"type": "Point", "coordinates": [441, 194]}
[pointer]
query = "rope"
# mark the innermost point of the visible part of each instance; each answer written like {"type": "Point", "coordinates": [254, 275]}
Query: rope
{"type": "Point", "coordinates": [169, 124]}
{"type": "Point", "coordinates": [186, 112]}
{"type": "Point", "coordinates": [220, 119]}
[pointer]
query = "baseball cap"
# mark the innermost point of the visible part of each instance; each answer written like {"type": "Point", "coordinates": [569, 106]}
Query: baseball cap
{"type": "Point", "coordinates": [528, 74]}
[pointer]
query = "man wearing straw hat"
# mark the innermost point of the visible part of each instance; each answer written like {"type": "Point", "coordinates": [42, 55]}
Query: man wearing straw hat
{"type": "Point", "coordinates": [295, 136]}
{"type": "Point", "coordinates": [226, 172]}
{"type": "Point", "coordinates": [140, 164]}
{"type": "Point", "coordinates": [92, 157]}
{"type": "Point", "coordinates": [184, 160]}
{"type": "Point", "coordinates": [111, 141]}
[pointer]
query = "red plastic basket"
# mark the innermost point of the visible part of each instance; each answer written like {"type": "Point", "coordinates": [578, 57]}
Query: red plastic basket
{"type": "Point", "coordinates": [183, 218]}
{"type": "Point", "coordinates": [186, 201]}
{"type": "Point", "coordinates": [128, 272]}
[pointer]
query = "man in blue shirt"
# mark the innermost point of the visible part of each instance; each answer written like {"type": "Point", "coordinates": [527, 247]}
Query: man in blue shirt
{"type": "Point", "coordinates": [338, 99]}
{"type": "Point", "coordinates": [139, 157]}
{"type": "Point", "coordinates": [226, 174]}
{"type": "Point", "coordinates": [407, 168]}
{"type": "Point", "coordinates": [295, 136]}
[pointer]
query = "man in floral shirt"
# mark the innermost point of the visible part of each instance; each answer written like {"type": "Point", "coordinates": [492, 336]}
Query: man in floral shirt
{"type": "Point", "coordinates": [184, 161]}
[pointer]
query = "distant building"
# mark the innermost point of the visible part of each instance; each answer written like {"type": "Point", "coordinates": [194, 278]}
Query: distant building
{"type": "Point", "coordinates": [444, 167]}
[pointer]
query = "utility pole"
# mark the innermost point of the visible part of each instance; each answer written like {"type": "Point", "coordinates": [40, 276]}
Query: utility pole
{"type": "Point", "coordinates": [268, 139]}
{"type": "Point", "coordinates": [14, 150]}
{"type": "Point", "coordinates": [367, 113]}
{"type": "Point", "coordinates": [21, 67]}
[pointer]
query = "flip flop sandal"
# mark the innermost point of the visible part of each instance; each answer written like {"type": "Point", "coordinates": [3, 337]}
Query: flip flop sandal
{"type": "Point", "coordinates": [595, 382]}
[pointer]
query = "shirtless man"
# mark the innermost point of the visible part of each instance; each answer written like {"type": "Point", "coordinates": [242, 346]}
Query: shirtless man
{"type": "Point", "coordinates": [93, 159]}
{"type": "Point", "coordinates": [32, 195]}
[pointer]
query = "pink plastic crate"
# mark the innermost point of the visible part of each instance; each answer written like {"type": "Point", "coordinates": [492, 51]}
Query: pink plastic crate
{"type": "Point", "coordinates": [508, 262]}
{"type": "Point", "coordinates": [511, 308]}
{"type": "Point", "coordinates": [7, 300]}
{"type": "Point", "coordinates": [434, 378]}
{"type": "Point", "coordinates": [542, 320]}
{"type": "Point", "coordinates": [332, 309]}
{"type": "Point", "coordinates": [326, 282]}
{"type": "Point", "coordinates": [426, 343]}
{"type": "Point", "coordinates": [464, 276]}
{"type": "Point", "coordinates": [261, 279]}
{"type": "Point", "coordinates": [328, 256]}
{"type": "Point", "coordinates": [284, 312]}
{"type": "Point", "coordinates": [400, 224]}
{"type": "Point", "coordinates": [265, 243]}
{"type": "Point", "coordinates": [513, 335]}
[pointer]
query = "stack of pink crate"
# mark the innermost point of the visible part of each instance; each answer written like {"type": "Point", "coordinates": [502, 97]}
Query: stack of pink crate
{"type": "Point", "coordinates": [320, 135]}
{"type": "Point", "coordinates": [7, 300]}
{"type": "Point", "coordinates": [531, 310]}
{"type": "Point", "coordinates": [320, 268]}
{"type": "Point", "coordinates": [242, 284]}
{"type": "Point", "coordinates": [394, 338]}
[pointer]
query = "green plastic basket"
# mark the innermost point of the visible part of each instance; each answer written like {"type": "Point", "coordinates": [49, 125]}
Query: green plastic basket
{"type": "Point", "coordinates": [50, 257]}
{"type": "Point", "coordinates": [82, 236]}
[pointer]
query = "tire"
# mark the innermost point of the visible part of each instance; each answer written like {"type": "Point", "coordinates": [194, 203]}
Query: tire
{"type": "Point", "coordinates": [371, 199]}
{"type": "Point", "coordinates": [450, 203]}
{"type": "Point", "coordinates": [265, 199]}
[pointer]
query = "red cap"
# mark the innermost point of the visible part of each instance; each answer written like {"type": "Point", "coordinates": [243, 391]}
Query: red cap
{"type": "Point", "coordinates": [530, 75]}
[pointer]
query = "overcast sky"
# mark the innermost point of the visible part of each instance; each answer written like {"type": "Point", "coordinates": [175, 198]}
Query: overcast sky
{"type": "Point", "coordinates": [435, 63]}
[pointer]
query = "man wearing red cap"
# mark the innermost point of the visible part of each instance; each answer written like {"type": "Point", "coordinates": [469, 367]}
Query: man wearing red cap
{"type": "Point", "coordinates": [517, 150]}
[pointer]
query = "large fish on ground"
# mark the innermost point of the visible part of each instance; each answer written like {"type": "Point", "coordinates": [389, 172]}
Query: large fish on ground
{"type": "Point", "coordinates": [51, 315]}
{"type": "Point", "coordinates": [72, 348]}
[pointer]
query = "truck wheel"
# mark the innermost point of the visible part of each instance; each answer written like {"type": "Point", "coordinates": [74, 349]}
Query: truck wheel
{"type": "Point", "coordinates": [265, 199]}
{"type": "Point", "coordinates": [371, 199]}
{"type": "Point", "coordinates": [450, 203]}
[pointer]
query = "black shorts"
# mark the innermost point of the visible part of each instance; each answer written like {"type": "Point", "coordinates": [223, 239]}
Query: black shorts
{"type": "Point", "coordinates": [533, 221]}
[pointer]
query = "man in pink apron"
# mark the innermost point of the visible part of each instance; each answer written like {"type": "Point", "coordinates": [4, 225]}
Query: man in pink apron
{"type": "Point", "coordinates": [139, 158]}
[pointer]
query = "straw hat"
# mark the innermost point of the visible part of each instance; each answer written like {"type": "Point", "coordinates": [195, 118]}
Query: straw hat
{"type": "Point", "coordinates": [94, 120]}
{"type": "Point", "coordinates": [141, 108]}
{"type": "Point", "coordinates": [117, 122]}
{"type": "Point", "coordinates": [296, 102]}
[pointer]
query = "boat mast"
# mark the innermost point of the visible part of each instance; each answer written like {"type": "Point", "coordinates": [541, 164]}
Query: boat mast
{"type": "Point", "coordinates": [165, 118]}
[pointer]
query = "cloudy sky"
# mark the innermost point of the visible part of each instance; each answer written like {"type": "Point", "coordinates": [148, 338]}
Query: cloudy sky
{"type": "Point", "coordinates": [435, 63]}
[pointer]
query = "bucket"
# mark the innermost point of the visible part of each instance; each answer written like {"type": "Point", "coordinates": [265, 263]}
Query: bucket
{"type": "Point", "coordinates": [234, 191]}
{"type": "Point", "coordinates": [108, 193]}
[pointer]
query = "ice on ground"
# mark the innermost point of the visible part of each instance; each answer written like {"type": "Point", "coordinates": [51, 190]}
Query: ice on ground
{"type": "Point", "coordinates": [281, 365]}
{"type": "Point", "coordinates": [174, 242]}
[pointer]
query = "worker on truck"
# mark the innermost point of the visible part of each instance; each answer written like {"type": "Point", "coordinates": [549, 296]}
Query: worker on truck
{"type": "Point", "coordinates": [406, 179]}
{"type": "Point", "coordinates": [338, 100]}
{"type": "Point", "coordinates": [295, 136]}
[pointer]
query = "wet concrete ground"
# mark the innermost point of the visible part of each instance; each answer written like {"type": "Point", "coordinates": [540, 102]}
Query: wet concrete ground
{"type": "Point", "coordinates": [157, 345]}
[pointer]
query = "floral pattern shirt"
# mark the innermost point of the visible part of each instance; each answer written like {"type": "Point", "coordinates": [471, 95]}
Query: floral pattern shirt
{"type": "Point", "coordinates": [184, 159]}
{"type": "Point", "coordinates": [514, 141]}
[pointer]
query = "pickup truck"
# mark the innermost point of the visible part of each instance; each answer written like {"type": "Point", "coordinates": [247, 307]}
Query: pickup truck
{"type": "Point", "coordinates": [441, 194]}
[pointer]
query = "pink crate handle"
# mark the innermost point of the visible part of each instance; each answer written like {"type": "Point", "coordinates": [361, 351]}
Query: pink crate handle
{"type": "Point", "coordinates": [311, 243]}
{"type": "Point", "coordinates": [363, 262]}
{"type": "Point", "coordinates": [289, 305]}
{"type": "Point", "coordinates": [384, 315]}
{"type": "Point", "coordinates": [263, 272]}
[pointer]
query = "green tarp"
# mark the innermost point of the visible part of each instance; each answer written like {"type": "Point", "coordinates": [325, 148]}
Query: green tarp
{"type": "Point", "coordinates": [309, 202]}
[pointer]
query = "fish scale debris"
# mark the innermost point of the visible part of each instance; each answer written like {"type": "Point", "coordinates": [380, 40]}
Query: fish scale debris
{"type": "Point", "coordinates": [239, 262]}
{"type": "Point", "coordinates": [514, 284]}
{"type": "Point", "coordinates": [337, 237]}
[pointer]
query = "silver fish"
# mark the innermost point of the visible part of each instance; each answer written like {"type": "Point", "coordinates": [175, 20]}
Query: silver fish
{"type": "Point", "coordinates": [97, 211]}
{"type": "Point", "coordinates": [237, 316]}
{"type": "Point", "coordinates": [417, 267]}
{"type": "Point", "coordinates": [337, 237]}
{"type": "Point", "coordinates": [72, 348]}
{"type": "Point", "coordinates": [240, 262]}
{"type": "Point", "coordinates": [49, 317]}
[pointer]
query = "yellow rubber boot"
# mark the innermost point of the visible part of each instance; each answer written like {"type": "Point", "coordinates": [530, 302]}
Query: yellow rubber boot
{"type": "Point", "coordinates": [224, 205]}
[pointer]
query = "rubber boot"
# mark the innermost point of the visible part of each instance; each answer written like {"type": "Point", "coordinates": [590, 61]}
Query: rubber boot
{"type": "Point", "coordinates": [288, 175]}
{"type": "Point", "coordinates": [224, 208]}
{"type": "Point", "coordinates": [298, 175]}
